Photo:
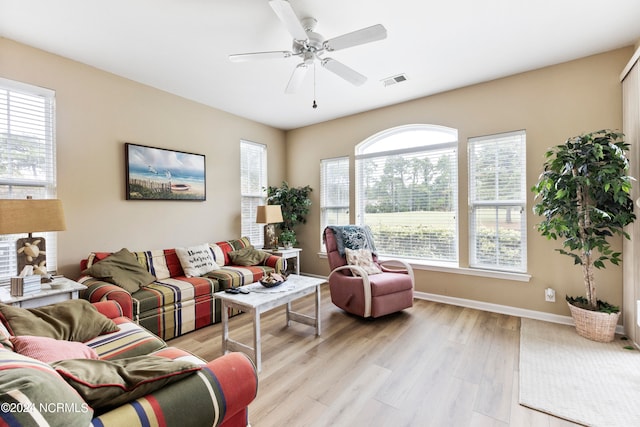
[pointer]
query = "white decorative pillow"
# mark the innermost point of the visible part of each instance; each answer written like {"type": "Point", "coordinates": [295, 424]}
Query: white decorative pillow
{"type": "Point", "coordinates": [196, 260]}
{"type": "Point", "coordinates": [362, 258]}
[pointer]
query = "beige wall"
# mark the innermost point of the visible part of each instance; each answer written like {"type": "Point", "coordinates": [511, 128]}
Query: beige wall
{"type": "Point", "coordinates": [96, 113]}
{"type": "Point", "coordinates": [551, 104]}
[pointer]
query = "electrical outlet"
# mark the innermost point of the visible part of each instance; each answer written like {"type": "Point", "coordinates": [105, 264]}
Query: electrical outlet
{"type": "Point", "coordinates": [550, 295]}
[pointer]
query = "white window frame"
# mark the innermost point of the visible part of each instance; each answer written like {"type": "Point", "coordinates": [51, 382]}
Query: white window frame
{"type": "Point", "coordinates": [253, 184]}
{"type": "Point", "coordinates": [334, 179]}
{"type": "Point", "coordinates": [501, 203]}
{"type": "Point", "coordinates": [442, 141]}
{"type": "Point", "coordinates": [27, 123]}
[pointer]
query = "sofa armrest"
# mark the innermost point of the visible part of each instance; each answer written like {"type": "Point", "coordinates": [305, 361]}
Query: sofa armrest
{"type": "Point", "coordinates": [110, 308]}
{"type": "Point", "coordinates": [98, 290]}
{"type": "Point", "coordinates": [276, 262]}
{"type": "Point", "coordinates": [217, 395]}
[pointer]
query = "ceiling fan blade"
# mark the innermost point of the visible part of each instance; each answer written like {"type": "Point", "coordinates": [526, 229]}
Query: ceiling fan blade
{"type": "Point", "coordinates": [285, 12]}
{"type": "Point", "coordinates": [341, 70]}
{"type": "Point", "coordinates": [296, 78]}
{"type": "Point", "coordinates": [355, 38]}
{"type": "Point", "coordinates": [242, 57]}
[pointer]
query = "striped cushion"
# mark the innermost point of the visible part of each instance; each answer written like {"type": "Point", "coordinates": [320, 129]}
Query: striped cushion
{"type": "Point", "coordinates": [232, 276]}
{"type": "Point", "coordinates": [157, 262]}
{"type": "Point", "coordinates": [218, 254]}
{"type": "Point", "coordinates": [131, 340]}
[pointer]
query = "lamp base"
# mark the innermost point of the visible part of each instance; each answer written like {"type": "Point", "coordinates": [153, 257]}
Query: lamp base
{"type": "Point", "coordinates": [31, 252]}
{"type": "Point", "coordinates": [270, 241]}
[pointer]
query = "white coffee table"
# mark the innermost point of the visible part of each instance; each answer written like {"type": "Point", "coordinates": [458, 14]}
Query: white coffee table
{"type": "Point", "coordinates": [260, 300]}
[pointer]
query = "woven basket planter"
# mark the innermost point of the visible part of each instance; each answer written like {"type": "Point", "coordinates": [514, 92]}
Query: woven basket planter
{"type": "Point", "coordinates": [594, 325]}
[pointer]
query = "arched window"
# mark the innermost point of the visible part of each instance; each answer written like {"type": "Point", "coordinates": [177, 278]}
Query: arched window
{"type": "Point", "coordinates": [407, 191]}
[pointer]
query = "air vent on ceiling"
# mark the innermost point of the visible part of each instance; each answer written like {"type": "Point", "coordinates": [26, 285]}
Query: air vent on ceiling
{"type": "Point", "coordinates": [394, 79]}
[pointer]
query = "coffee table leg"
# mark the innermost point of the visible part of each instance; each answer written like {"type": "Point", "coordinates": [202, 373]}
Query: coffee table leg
{"type": "Point", "coordinates": [225, 326]}
{"type": "Point", "coordinates": [288, 311]}
{"type": "Point", "coordinates": [256, 340]}
{"type": "Point", "coordinates": [318, 326]}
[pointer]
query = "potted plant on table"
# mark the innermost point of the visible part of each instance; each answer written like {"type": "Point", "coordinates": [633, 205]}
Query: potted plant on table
{"type": "Point", "coordinates": [583, 197]}
{"type": "Point", "coordinates": [287, 238]}
{"type": "Point", "coordinates": [295, 204]}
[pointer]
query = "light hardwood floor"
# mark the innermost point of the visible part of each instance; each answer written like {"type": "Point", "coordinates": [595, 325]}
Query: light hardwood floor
{"type": "Point", "coordinates": [431, 365]}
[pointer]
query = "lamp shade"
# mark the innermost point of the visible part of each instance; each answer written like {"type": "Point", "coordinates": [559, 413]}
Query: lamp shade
{"type": "Point", "coordinates": [269, 214]}
{"type": "Point", "coordinates": [31, 215]}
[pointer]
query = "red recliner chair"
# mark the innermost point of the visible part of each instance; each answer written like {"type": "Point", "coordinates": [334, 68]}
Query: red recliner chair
{"type": "Point", "coordinates": [361, 293]}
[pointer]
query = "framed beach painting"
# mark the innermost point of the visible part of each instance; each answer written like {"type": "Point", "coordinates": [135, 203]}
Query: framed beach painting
{"type": "Point", "coordinates": [161, 174]}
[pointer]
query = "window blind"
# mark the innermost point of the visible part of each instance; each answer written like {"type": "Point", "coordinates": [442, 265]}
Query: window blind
{"type": "Point", "coordinates": [408, 196]}
{"type": "Point", "coordinates": [334, 193]}
{"type": "Point", "coordinates": [27, 159]}
{"type": "Point", "coordinates": [497, 201]}
{"type": "Point", "coordinates": [253, 182]}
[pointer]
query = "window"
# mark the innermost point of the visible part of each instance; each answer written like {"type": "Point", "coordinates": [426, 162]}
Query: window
{"type": "Point", "coordinates": [406, 191]}
{"type": "Point", "coordinates": [334, 192]}
{"type": "Point", "coordinates": [27, 159]}
{"type": "Point", "coordinates": [253, 182]}
{"type": "Point", "coordinates": [497, 202]}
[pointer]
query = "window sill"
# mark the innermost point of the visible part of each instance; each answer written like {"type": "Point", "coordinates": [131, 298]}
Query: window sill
{"type": "Point", "coordinates": [454, 269]}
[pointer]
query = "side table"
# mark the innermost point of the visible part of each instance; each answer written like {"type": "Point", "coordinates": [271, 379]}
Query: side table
{"type": "Point", "coordinates": [65, 289]}
{"type": "Point", "coordinates": [288, 254]}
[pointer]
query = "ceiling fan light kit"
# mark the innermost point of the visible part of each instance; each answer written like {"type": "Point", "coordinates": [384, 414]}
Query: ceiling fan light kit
{"type": "Point", "coordinates": [310, 46]}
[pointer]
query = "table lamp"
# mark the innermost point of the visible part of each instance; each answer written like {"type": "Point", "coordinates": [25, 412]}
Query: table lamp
{"type": "Point", "coordinates": [30, 216]}
{"type": "Point", "coordinates": [269, 215]}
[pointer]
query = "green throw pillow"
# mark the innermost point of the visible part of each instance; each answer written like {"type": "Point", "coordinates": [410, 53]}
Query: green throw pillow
{"type": "Point", "coordinates": [107, 384]}
{"type": "Point", "coordinates": [247, 256]}
{"type": "Point", "coordinates": [73, 320]}
{"type": "Point", "coordinates": [122, 269]}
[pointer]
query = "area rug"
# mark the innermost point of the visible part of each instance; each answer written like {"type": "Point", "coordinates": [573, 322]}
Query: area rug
{"type": "Point", "coordinates": [571, 377]}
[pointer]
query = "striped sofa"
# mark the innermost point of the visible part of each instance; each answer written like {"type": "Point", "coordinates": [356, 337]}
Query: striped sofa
{"type": "Point", "coordinates": [175, 304]}
{"type": "Point", "coordinates": [218, 393]}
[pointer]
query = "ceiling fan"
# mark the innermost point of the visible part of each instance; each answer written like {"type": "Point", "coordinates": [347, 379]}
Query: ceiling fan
{"type": "Point", "coordinates": [310, 46]}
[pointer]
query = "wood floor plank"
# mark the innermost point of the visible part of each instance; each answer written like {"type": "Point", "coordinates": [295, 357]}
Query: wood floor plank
{"type": "Point", "coordinates": [431, 365]}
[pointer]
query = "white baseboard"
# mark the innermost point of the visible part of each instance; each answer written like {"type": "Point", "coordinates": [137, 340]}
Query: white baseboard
{"type": "Point", "coordinates": [493, 308]}
{"type": "Point", "coordinates": [502, 309]}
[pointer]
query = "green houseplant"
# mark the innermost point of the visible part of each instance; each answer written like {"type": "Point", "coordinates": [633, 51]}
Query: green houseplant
{"type": "Point", "coordinates": [583, 197]}
{"type": "Point", "coordinates": [287, 238]}
{"type": "Point", "coordinates": [295, 204]}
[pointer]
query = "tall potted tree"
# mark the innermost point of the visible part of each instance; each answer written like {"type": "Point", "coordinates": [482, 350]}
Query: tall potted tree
{"type": "Point", "coordinates": [295, 204]}
{"type": "Point", "coordinates": [583, 197]}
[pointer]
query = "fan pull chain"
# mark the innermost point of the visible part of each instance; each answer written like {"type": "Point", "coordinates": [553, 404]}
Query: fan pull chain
{"type": "Point", "coordinates": [314, 86]}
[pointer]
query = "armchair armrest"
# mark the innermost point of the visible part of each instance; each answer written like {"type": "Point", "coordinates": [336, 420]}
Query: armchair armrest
{"type": "Point", "coordinates": [98, 290]}
{"type": "Point", "coordinates": [405, 268]}
{"type": "Point", "coordinates": [366, 284]}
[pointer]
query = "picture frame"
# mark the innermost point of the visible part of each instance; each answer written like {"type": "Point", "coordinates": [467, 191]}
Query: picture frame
{"type": "Point", "coordinates": [161, 174]}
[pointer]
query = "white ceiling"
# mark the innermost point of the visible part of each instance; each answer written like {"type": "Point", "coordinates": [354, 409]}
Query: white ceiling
{"type": "Point", "coordinates": [182, 46]}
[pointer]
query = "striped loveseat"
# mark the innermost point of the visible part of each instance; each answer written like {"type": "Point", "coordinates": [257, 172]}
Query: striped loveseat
{"type": "Point", "coordinates": [37, 387]}
{"type": "Point", "coordinates": [175, 304]}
